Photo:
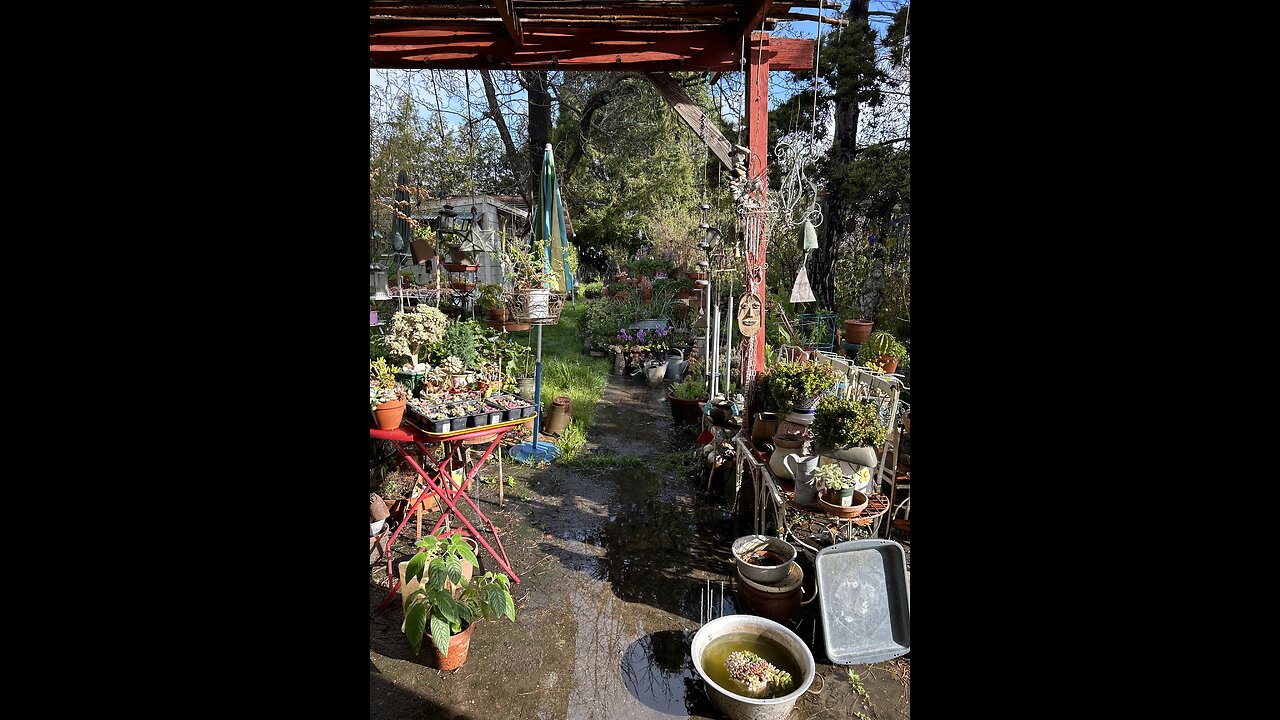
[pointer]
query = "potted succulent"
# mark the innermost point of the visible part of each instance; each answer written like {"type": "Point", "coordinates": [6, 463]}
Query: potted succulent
{"type": "Point", "coordinates": [410, 333]}
{"type": "Point", "coordinates": [387, 398]}
{"type": "Point", "coordinates": [449, 615]}
{"type": "Point", "coordinates": [883, 352]}
{"type": "Point", "coordinates": [849, 429]}
{"type": "Point", "coordinates": [840, 489]}
{"type": "Point", "coordinates": [457, 372]}
{"type": "Point", "coordinates": [686, 398]}
{"type": "Point", "coordinates": [433, 415]}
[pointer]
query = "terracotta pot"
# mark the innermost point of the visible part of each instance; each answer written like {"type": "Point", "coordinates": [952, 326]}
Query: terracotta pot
{"type": "Point", "coordinates": [389, 414]}
{"type": "Point", "coordinates": [860, 501]}
{"type": "Point", "coordinates": [685, 411]}
{"type": "Point", "coordinates": [765, 426]}
{"type": "Point", "coordinates": [622, 295]}
{"type": "Point", "coordinates": [516, 327]}
{"type": "Point", "coordinates": [458, 646]}
{"type": "Point", "coordinates": [499, 315]}
{"type": "Point", "coordinates": [422, 251]}
{"type": "Point", "coordinates": [857, 331]}
{"type": "Point", "coordinates": [889, 363]}
{"type": "Point", "coordinates": [697, 276]}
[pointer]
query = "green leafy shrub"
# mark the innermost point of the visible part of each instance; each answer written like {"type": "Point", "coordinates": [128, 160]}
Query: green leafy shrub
{"type": "Point", "coordinates": [794, 383]}
{"type": "Point", "coordinates": [490, 297]}
{"type": "Point", "coordinates": [461, 340]}
{"type": "Point", "coordinates": [842, 422]}
{"type": "Point", "coordinates": [693, 387]}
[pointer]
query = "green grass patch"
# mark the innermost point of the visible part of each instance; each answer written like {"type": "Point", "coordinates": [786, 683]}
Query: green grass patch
{"type": "Point", "coordinates": [566, 371]}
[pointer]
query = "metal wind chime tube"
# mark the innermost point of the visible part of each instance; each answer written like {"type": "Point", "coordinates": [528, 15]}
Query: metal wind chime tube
{"type": "Point", "coordinates": [715, 359]}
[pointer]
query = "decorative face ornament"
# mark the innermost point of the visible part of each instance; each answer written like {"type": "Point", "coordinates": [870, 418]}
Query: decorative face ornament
{"type": "Point", "coordinates": [749, 315]}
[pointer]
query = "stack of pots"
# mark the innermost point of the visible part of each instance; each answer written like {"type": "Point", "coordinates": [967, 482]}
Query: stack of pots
{"type": "Point", "coordinates": [770, 591]}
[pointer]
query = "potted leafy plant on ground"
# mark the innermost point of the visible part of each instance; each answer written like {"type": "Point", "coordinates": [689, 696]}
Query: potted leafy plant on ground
{"type": "Point", "coordinates": [449, 615]}
{"type": "Point", "coordinates": [686, 398]}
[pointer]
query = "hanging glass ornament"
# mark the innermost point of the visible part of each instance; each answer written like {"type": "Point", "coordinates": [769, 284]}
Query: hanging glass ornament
{"type": "Point", "coordinates": [809, 235]}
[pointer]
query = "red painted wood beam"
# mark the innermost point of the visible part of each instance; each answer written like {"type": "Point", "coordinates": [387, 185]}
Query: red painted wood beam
{"type": "Point", "coordinates": [509, 20]}
{"type": "Point", "coordinates": [444, 46]}
{"type": "Point", "coordinates": [757, 112]}
{"type": "Point", "coordinates": [753, 13]}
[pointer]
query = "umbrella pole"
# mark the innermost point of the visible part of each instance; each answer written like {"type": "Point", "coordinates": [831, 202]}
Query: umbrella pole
{"type": "Point", "coordinates": [537, 394]}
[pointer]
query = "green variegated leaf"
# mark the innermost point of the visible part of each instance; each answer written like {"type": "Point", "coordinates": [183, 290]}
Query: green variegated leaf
{"type": "Point", "coordinates": [440, 633]}
{"type": "Point", "coordinates": [416, 565]}
{"type": "Point", "coordinates": [415, 624]}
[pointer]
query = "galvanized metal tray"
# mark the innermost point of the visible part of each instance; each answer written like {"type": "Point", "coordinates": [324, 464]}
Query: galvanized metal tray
{"type": "Point", "coordinates": [865, 604]}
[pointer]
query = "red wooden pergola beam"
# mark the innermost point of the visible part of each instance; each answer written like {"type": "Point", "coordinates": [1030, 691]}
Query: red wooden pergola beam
{"type": "Point", "coordinates": [509, 21]}
{"type": "Point", "coordinates": [754, 13]}
{"type": "Point", "coordinates": [444, 46]}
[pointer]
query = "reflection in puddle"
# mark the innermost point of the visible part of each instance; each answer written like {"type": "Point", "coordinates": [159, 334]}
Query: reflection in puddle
{"type": "Point", "coordinates": [658, 671]}
{"type": "Point", "coordinates": [655, 553]}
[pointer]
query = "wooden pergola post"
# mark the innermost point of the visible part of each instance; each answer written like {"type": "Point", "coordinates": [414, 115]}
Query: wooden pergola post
{"type": "Point", "coordinates": [757, 101]}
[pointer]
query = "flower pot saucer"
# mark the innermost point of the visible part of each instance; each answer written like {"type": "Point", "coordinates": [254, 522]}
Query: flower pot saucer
{"type": "Point", "coordinates": [842, 511]}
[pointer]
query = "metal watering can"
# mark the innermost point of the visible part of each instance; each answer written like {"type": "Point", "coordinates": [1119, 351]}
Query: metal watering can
{"type": "Point", "coordinates": [676, 364]}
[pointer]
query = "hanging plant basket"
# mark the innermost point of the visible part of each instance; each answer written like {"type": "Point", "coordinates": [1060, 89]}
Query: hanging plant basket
{"type": "Point", "coordinates": [537, 306]}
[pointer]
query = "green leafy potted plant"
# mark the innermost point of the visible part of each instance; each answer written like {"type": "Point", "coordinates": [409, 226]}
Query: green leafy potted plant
{"type": "Point", "coordinates": [620, 291]}
{"type": "Point", "coordinates": [491, 302]}
{"type": "Point", "coordinates": [387, 398]}
{"type": "Point", "coordinates": [531, 301]}
{"type": "Point", "coordinates": [798, 385]}
{"type": "Point", "coordinates": [448, 604]}
{"type": "Point", "coordinates": [883, 352]}
{"type": "Point", "coordinates": [839, 490]}
{"type": "Point", "coordinates": [686, 398]}
{"type": "Point", "coordinates": [849, 429]}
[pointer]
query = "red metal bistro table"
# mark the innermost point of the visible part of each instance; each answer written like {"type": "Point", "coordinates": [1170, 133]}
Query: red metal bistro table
{"type": "Point", "coordinates": [437, 483]}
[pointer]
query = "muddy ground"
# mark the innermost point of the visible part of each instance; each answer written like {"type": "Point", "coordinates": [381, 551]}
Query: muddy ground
{"type": "Point", "coordinates": [613, 563]}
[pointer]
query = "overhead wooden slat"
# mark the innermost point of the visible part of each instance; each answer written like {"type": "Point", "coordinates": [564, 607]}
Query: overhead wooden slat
{"type": "Point", "coordinates": [545, 48]}
{"type": "Point", "coordinates": [753, 14]}
{"type": "Point", "coordinates": [693, 116]}
{"type": "Point", "coordinates": [510, 21]}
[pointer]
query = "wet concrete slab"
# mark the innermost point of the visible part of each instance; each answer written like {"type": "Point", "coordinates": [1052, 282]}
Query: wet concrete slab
{"type": "Point", "coordinates": [614, 563]}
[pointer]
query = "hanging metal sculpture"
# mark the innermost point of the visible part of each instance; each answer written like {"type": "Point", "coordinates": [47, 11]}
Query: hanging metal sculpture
{"type": "Point", "coordinates": [796, 199]}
